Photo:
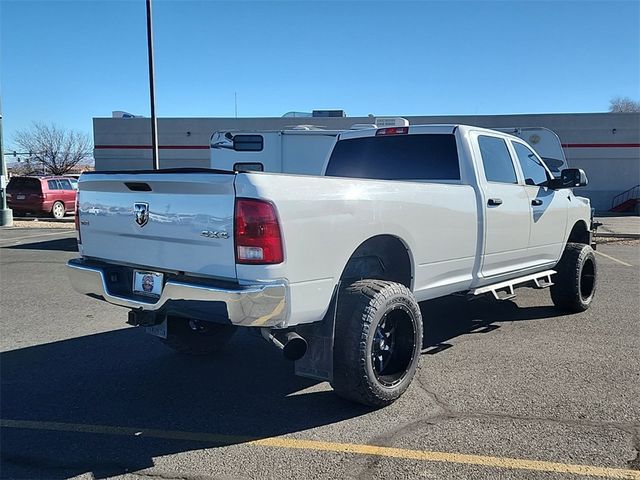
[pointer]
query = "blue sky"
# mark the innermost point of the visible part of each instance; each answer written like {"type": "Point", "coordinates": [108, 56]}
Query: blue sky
{"type": "Point", "coordinates": [66, 62]}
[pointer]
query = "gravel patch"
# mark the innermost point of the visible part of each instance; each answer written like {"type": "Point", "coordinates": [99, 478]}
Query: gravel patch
{"type": "Point", "coordinates": [43, 224]}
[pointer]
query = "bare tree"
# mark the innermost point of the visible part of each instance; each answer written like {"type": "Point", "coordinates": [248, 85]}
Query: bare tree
{"type": "Point", "coordinates": [58, 149]}
{"type": "Point", "coordinates": [623, 104]}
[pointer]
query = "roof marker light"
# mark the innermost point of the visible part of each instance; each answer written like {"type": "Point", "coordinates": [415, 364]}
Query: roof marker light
{"type": "Point", "coordinates": [392, 131]}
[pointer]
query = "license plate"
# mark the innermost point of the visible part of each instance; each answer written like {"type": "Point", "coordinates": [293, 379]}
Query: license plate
{"type": "Point", "coordinates": [20, 197]}
{"type": "Point", "coordinates": [159, 330]}
{"type": "Point", "coordinates": [147, 283]}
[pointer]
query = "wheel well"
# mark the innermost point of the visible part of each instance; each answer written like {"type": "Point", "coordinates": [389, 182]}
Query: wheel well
{"type": "Point", "coordinates": [382, 257]}
{"type": "Point", "coordinates": [579, 233]}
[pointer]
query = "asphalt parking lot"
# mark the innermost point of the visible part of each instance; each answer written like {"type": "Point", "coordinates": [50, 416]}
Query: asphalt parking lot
{"type": "Point", "coordinates": [507, 389]}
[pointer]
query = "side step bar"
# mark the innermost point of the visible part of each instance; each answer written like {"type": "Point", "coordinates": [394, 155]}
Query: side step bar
{"type": "Point", "coordinates": [505, 290]}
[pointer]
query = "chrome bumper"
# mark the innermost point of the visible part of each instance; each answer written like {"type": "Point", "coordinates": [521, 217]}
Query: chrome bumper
{"type": "Point", "coordinates": [252, 306]}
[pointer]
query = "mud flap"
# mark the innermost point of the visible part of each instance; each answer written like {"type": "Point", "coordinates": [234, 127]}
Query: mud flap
{"type": "Point", "coordinates": [317, 363]}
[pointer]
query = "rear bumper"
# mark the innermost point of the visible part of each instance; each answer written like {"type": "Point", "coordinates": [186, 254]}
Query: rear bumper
{"type": "Point", "coordinates": [249, 306]}
{"type": "Point", "coordinates": [29, 206]}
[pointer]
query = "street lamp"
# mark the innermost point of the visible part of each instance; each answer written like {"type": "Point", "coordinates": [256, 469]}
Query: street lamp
{"type": "Point", "coordinates": [6, 214]}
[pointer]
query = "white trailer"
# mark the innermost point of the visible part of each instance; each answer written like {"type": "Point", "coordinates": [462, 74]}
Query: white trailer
{"type": "Point", "coordinates": [302, 149]}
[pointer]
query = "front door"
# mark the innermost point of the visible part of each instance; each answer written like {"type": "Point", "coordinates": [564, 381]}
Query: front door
{"type": "Point", "coordinates": [549, 208]}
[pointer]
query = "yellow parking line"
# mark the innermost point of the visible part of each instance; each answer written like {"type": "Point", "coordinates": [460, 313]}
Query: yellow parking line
{"type": "Point", "coordinates": [614, 259]}
{"type": "Point", "coordinates": [292, 443]}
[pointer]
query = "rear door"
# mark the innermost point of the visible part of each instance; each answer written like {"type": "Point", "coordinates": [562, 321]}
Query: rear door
{"type": "Point", "coordinates": [161, 221]}
{"type": "Point", "coordinates": [53, 191]}
{"type": "Point", "coordinates": [506, 207]}
{"type": "Point", "coordinates": [68, 193]}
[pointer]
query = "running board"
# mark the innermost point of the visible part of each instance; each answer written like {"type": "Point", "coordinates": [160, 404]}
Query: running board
{"type": "Point", "coordinates": [505, 290]}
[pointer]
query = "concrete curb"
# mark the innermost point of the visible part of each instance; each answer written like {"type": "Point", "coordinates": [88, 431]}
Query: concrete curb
{"type": "Point", "coordinates": [44, 219]}
{"type": "Point", "coordinates": [617, 235]}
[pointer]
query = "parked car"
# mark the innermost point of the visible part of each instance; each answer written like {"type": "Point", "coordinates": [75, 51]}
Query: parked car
{"type": "Point", "coordinates": [36, 195]}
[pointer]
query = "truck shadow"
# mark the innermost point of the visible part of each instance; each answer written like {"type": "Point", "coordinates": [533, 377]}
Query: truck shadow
{"type": "Point", "coordinates": [125, 378]}
{"type": "Point", "coordinates": [450, 317]}
{"type": "Point", "coordinates": [60, 244]}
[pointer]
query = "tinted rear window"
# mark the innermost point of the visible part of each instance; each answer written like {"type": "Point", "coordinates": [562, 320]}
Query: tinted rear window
{"type": "Point", "coordinates": [24, 184]}
{"type": "Point", "coordinates": [396, 157]}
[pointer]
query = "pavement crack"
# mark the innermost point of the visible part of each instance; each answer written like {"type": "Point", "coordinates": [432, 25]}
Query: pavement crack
{"type": "Point", "coordinates": [635, 463]}
{"type": "Point", "coordinates": [171, 476]}
{"type": "Point", "coordinates": [628, 428]}
{"type": "Point", "coordinates": [388, 438]}
{"type": "Point", "coordinates": [433, 396]}
{"type": "Point", "coordinates": [445, 412]}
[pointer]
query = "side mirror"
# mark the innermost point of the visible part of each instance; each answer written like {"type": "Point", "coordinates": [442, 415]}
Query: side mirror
{"type": "Point", "coordinates": [570, 177]}
{"type": "Point", "coordinates": [573, 177]}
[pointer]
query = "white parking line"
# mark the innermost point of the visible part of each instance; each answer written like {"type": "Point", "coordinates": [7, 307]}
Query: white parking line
{"type": "Point", "coordinates": [614, 259]}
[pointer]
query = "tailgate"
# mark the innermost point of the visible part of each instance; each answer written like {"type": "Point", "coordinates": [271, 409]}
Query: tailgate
{"type": "Point", "coordinates": [165, 220]}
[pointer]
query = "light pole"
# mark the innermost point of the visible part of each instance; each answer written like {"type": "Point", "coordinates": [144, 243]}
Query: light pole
{"type": "Point", "coordinates": [152, 93]}
{"type": "Point", "coordinates": [6, 214]}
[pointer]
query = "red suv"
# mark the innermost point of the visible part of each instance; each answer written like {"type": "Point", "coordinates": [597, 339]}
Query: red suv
{"type": "Point", "coordinates": [52, 195]}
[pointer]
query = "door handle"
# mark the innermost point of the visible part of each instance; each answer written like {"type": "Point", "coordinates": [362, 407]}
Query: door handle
{"type": "Point", "coordinates": [494, 202]}
{"type": "Point", "coordinates": [536, 202]}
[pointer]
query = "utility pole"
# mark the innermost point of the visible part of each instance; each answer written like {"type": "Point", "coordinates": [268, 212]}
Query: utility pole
{"type": "Point", "coordinates": [152, 93]}
{"type": "Point", "coordinates": [6, 214]}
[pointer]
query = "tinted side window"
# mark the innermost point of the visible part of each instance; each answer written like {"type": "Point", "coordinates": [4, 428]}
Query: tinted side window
{"type": "Point", "coordinates": [248, 143]}
{"type": "Point", "coordinates": [396, 157]}
{"type": "Point", "coordinates": [53, 185]}
{"type": "Point", "coordinates": [496, 160]}
{"type": "Point", "coordinates": [534, 172]}
{"type": "Point", "coordinates": [65, 184]}
{"type": "Point", "coordinates": [248, 167]}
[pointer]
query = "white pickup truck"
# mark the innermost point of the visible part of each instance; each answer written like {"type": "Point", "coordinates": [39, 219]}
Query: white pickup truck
{"type": "Point", "coordinates": [331, 268]}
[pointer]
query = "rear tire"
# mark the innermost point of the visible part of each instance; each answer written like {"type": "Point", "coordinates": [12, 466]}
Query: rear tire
{"type": "Point", "coordinates": [193, 337]}
{"type": "Point", "coordinates": [58, 210]}
{"type": "Point", "coordinates": [575, 281]}
{"type": "Point", "coordinates": [378, 339]}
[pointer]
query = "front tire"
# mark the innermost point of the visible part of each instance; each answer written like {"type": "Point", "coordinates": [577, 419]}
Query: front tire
{"type": "Point", "coordinates": [58, 210]}
{"type": "Point", "coordinates": [194, 337]}
{"type": "Point", "coordinates": [378, 339]}
{"type": "Point", "coordinates": [575, 281]}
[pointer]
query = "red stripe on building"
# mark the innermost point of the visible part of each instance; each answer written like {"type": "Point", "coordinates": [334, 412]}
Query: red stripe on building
{"type": "Point", "coordinates": [148, 147]}
{"type": "Point", "coordinates": [206, 147]}
{"type": "Point", "coordinates": [601, 145]}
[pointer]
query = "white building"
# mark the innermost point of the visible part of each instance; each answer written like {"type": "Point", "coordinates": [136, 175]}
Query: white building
{"type": "Point", "coordinates": [605, 145]}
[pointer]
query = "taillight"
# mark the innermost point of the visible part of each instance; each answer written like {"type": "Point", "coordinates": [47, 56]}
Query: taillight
{"type": "Point", "coordinates": [257, 232]}
{"type": "Point", "coordinates": [77, 218]}
{"type": "Point", "coordinates": [392, 131]}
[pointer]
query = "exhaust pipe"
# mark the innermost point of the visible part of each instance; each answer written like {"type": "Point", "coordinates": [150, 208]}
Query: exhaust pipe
{"type": "Point", "coordinates": [293, 346]}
